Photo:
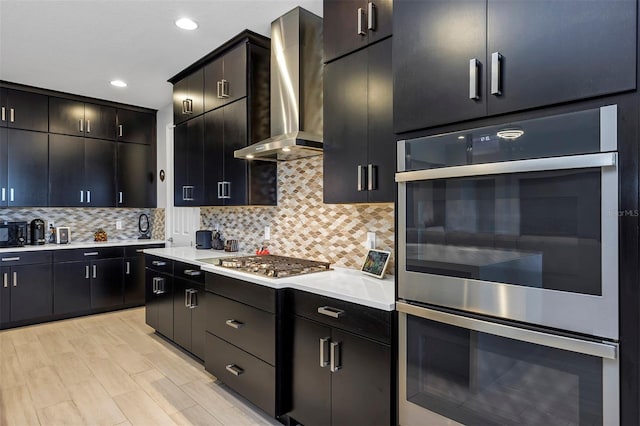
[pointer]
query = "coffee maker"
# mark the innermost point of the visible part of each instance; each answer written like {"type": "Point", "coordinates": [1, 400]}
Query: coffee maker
{"type": "Point", "coordinates": [37, 232]}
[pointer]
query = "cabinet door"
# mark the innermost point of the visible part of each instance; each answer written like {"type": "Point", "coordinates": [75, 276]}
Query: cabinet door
{"type": "Point", "coordinates": [311, 383]}
{"type": "Point", "coordinates": [345, 129]}
{"type": "Point", "coordinates": [180, 95]}
{"type": "Point", "coordinates": [235, 169]}
{"type": "Point", "coordinates": [165, 308]}
{"type": "Point", "coordinates": [99, 121]}
{"type": "Point", "coordinates": [106, 283]}
{"type": "Point", "coordinates": [28, 111]}
{"type": "Point", "coordinates": [66, 116]}
{"type": "Point", "coordinates": [71, 287]}
{"type": "Point", "coordinates": [556, 52]}
{"type": "Point", "coordinates": [135, 177]}
{"type": "Point", "coordinates": [213, 76]}
{"type": "Point", "coordinates": [4, 188]}
{"type": "Point", "coordinates": [100, 172]}
{"type": "Point", "coordinates": [361, 387]}
{"type": "Point", "coordinates": [381, 151]}
{"type": "Point", "coordinates": [340, 27]}
{"type": "Point", "coordinates": [27, 154]}
{"type": "Point", "coordinates": [134, 280]}
{"type": "Point", "coordinates": [382, 20]}
{"type": "Point", "coordinates": [198, 321]}
{"type": "Point", "coordinates": [234, 84]}
{"type": "Point", "coordinates": [433, 44]}
{"type": "Point", "coordinates": [213, 152]}
{"type": "Point", "coordinates": [66, 171]}
{"type": "Point", "coordinates": [181, 314]}
{"type": "Point", "coordinates": [180, 164]}
{"type": "Point", "coordinates": [188, 162]}
{"type": "Point", "coordinates": [152, 300]}
{"type": "Point", "coordinates": [5, 294]}
{"type": "Point", "coordinates": [31, 294]}
{"type": "Point", "coordinates": [135, 126]}
{"type": "Point", "coordinates": [188, 98]}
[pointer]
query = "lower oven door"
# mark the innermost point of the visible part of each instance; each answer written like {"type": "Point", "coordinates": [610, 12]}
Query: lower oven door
{"type": "Point", "coordinates": [460, 370]}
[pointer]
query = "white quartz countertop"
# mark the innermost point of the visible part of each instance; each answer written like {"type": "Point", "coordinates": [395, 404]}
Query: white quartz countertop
{"type": "Point", "coordinates": [80, 245]}
{"type": "Point", "coordinates": [340, 283]}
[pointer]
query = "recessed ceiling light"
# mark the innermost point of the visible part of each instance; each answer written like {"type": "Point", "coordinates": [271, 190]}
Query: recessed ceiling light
{"type": "Point", "coordinates": [118, 83]}
{"type": "Point", "coordinates": [510, 134]}
{"type": "Point", "coordinates": [186, 24]}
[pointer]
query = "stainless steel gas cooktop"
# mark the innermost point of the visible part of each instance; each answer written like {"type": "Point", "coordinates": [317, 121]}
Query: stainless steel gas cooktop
{"type": "Point", "coordinates": [274, 266]}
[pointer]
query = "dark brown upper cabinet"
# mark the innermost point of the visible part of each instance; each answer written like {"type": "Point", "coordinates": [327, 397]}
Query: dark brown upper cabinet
{"type": "Point", "coordinates": [23, 110]}
{"type": "Point", "coordinates": [188, 98]}
{"type": "Point", "coordinates": [75, 118]}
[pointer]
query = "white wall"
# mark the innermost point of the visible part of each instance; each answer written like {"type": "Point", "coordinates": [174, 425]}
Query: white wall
{"type": "Point", "coordinates": [164, 118]}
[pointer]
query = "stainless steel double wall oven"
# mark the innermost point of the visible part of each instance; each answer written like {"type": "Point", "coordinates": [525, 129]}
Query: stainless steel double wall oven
{"type": "Point", "coordinates": [508, 273]}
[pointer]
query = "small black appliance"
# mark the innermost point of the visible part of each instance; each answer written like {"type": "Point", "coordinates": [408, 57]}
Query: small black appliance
{"type": "Point", "coordinates": [37, 232]}
{"type": "Point", "coordinates": [203, 239]}
{"type": "Point", "coordinates": [13, 234]}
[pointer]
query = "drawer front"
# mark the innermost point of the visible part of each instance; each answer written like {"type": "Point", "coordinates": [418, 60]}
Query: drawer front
{"type": "Point", "coordinates": [159, 264]}
{"type": "Point", "coordinates": [188, 272]}
{"type": "Point", "coordinates": [25, 258]}
{"type": "Point", "coordinates": [131, 251]}
{"type": "Point", "coordinates": [248, 293]}
{"type": "Point", "coordinates": [242, 372]}
{"type": "Point", "coordinates": [71, 255]}
{"type": "Point", "coordinates": [363, 320]}
{"type": "Point", "coordinates": [249, 328]}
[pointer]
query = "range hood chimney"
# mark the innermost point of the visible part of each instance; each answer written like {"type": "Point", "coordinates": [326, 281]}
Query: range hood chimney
{"type": "Point", "coordinates": [296, 90]}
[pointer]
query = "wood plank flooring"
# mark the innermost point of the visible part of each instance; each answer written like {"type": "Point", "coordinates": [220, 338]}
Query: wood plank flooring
{"type": "Point", "coordinates": [109, 369]}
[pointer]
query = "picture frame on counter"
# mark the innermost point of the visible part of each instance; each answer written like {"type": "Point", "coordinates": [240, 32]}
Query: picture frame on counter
{"type": "Point", "coordinates": [375, 263]}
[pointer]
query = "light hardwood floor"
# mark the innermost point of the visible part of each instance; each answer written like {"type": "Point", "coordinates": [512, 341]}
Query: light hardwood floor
{"type": "Point", "coordinates": [109, 369]}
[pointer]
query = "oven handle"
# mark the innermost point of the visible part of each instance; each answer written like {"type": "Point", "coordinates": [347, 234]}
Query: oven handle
{"type": "Point", "coordinates": [605, 159]}
{"type": "Point", "coordinates": [602, 350]}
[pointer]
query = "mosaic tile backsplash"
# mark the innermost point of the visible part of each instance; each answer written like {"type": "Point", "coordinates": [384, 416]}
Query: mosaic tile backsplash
{"type": "Point", "coordinates": [85, 221]}
{"type": "Point", "coordinates": [302, 225]}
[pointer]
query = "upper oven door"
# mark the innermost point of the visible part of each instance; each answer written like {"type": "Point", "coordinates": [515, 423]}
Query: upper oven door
{"type": "Point", "coordinates": [517, 222]}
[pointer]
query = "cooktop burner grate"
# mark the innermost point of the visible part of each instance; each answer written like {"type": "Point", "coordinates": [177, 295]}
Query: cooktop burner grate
{"type": "Point", "coordinates": [274, 266]}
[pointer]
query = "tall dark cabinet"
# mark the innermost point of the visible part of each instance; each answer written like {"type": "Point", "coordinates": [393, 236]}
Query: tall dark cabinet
{"type": "Point", "coordinates": [508, 56]}
{"type": "Point", "coordinates": [188, 97]}
{"type": "Point", "coordinates": [236, 110]}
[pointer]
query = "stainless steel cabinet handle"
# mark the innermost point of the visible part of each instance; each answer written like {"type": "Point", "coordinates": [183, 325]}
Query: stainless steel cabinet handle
{"type": "Point", "coordinates": [159, 263]}
{"type": "Point", "coordinates": [82, 196]}
{"type": "Point", "coordinates": [120, 199]}
{"type": "Point", "coordinates": [88, 126]}
{"type": "Point", "coordinates": [91, 253]}
{"type": "Point", "coordinates": [12, 115]}
{"type": "Point", "coordinates": [371, 177]}
{"type": "Point", "coordinates": [219, 190]}
{"type": "Point", "coordinates": [187, 106]}
{"type": "Point", "coordinates": [187, 292]}
{"type": "Point", "coordinates": [95, 271]}
{"type": "Point", "coordinates": [15, 279]}
{"type": "Point", "coordinates": [120, 130]}
{"type": "Point", "coordinates": [361, 24]}
{"type": "Point", "coordinates": [192, 272]}
{"type": "Point", "coordinates": [224, 190]}
{"type": "Point", "coordinates": [127, 269]}
{"type": "Point", "coordinates": [187, 193]}
{"type": "Point", "coordinates": [474, 64]}
{"type": "Point", "coordinates": [80, 122]}
{"type": "Point", "coordinates": [88, 196]}
{"type": "Point", "coordinates": [234, 324]}
{"type": "Point", "coordinates": [158, 285]}
{"type": "Point", "coordinates": [219, 86]}
{"type": "Point", "coordinates": [86, 272]}
{"type": "Point", "coordinates": [139, 250]}
{"type": "Point", "coordinates": [225, 88]}
{"type": "Point", "coordinates": [193, 300]}
{"type": "Point", "coordinates": [4, 114]}
{"type": "Point", "coordinates": [371, 16]}
{"type": "Point", "coordinates": [12, 195]}
{"type": "Point", "coordinates": [234, 369]}
{"type": "Point", "coordinates": [5, 280]}
{"type": "Point", "coordinates": [496, 81]}
{"type": "Point", "coordinates": [331, 312]}
{"type": "Point", "coordinates": [335, 357]}
{"type": "Point", "coordinates": [4, 194]}
{"type": "Point", "coordinates": [360, 176]}
{"type": "Point", "coordinates": [324, 351]}
{"type": "Point", "coordinates": [10, 259]}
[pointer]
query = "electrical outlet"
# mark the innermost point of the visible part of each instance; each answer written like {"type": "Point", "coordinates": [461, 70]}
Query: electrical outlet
{"type": "Point", "coordinates": [118, 224]}
{"type": "Point", "coordinates": [267, 233]}
{"type": "Point", "coordinates": [371, 240]}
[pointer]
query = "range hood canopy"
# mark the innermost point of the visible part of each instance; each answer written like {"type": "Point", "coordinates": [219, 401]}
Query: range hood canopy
{"type": "Point", "coordinates": [296, 90]}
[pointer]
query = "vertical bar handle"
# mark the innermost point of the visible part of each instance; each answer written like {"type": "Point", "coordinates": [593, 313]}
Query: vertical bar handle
{"type": "Point", "coordinates": [4, 113]}
{"type": "Point", "coordinates": [88, 196]}
{"type": "Point", "coordinates": [80, 123]}
{"type": "Point", "coordinates": [95, 271]}
{"type": "Point", "coordinates": [127, 268]}
{"type": "Point", "coordinates": [496, 80]}
{"type": "Point", "coordinates": [15, 278]}
{"type": "Point", "coordinates": [186, 297]}
{"type": "Point", "coordinates": [82, 196]}
{"type": "Point", "coordinates": [120, 130]}
{"type": "Point", "coordinates": [371, 16]}
{"type": "Point", "coordinates": [120, 199]}
{"type": "Point", "coordinates": [371, 177]}
{"type": "Point", "coordinates": [12, 115]}
{"type": "Point", "coordinates": [335, 357]}
{"type": "Point", "coordinates": [193, 303]}
{"type": "Point", "coordinates": [324, 351]}
{"type": "Point", "coordinates": [361, 23]}
{"type": "Point", "coordinates": [5, 280]}
{"type": "Point", "coordinates": [11, 195]}
{"type": "Point", "coordinates": [474, 64]}
{"type": "Point", "coordinates": [88, 126]}
{"type": "Point", "coordinates": [360, 176]}
{"type": "Point", "coordinates": [4, 194]}
{"type": "Point", "coordinates": [219, 86]}
{"type": "Point", "coordinates": [86, 272]}
{"type": "Point", "coordinates": [224, 89]}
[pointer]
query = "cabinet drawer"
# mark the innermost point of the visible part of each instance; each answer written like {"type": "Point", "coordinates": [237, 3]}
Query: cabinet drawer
{"type": "Point", "coordinates": [252, 294]}
{"type": "Point", "coordinates": [242, 372]}
{"type": "Point", "coordinates": [25, 258]}
{"type": "Point", "coordinates": [159, 264]}
{"type": "Point", "coordinates": [359, 319]}
{"type": "Point", "coordinates": [188, 272]}
{"type": "Point", "coordinates": [65, 255]}
{"type": "Point", "coordinates": [244, 326]}
{"type": "Point", "coordinates": [131, 251]}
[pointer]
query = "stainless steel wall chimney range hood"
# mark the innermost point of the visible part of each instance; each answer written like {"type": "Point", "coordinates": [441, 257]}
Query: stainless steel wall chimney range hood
{"type": "Point", "coordinates": [296, 90]}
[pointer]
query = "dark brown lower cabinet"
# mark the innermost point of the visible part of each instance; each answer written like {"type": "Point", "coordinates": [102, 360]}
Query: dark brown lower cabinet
{"type": "Point", "coordinates": [159, 302]}
{"type": "Point", "coordinates": [189, 316]}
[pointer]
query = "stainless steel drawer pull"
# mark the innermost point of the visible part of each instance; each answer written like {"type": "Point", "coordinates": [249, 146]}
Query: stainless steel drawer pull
{"type": "Point", "coordinates": [335, 357]}
{"type": "Point", "coordinates": [331, 312]}
{"type": "Point", "coordinates": [158, 285]}
{"type": "Point", "coordinates": [234, 369]}
{"type": "Point", "coordinates": [139, 250]}
{"type": "Point", "coordinates": [192, 272]}
{"type": "Point", "coordinates": [86, 272]}
{"type": "Point", "coordinates": [496, 81]}
{"type": "Point", "coordinates": [5, 280]}
{"type": "Point", "coordinates": [371, 18]}
{"type": "Point", "coordinates": [10, 259]}
{"type": "Point", "coordinates": [91, 253]}
{"type": "Point", "coordinates": [159, 263]}
{"type": "Point", "coordinates": [361, 24]}
{"type": "Point", "coordinates": [234, 324]}
{"type": "Point", "coordinates": [324, 351]}
{"type": "Point", "coordinates": [15, 279]}
{"type": "Point", "coordinates": [474, 66]}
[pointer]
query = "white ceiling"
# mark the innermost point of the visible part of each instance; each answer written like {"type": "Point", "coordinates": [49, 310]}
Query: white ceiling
{"type": "Point", "coordinates": [78, 46]}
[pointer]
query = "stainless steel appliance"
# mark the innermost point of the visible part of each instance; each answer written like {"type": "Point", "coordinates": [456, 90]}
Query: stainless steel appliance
{"type": "Point", "coordinates": [13, 234]}
{"type": "Point", "coordinates": [203, 239]}
{"type": "Point", "coordinates": [508, 273]}
{"type": "Point", "coordinates": [273, 266]}
{"type": "Point", "coordinates": [37, 232]}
